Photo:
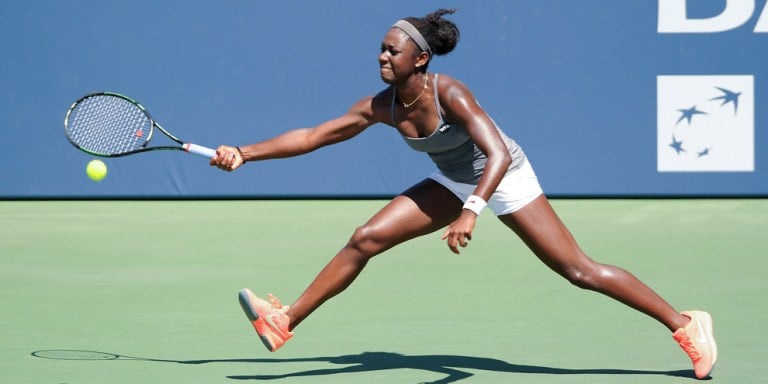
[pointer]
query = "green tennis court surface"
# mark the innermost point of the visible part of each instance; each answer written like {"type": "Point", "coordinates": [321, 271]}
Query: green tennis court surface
{"type": "Point", "coordinates": [158, 281]}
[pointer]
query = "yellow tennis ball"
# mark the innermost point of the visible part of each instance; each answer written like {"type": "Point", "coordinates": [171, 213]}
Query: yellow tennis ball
{"type": "Point", "coordinates": [96, 170]}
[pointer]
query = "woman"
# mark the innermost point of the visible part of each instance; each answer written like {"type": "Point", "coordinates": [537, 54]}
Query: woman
{"type": "Point", "coordinates": [478, 165]}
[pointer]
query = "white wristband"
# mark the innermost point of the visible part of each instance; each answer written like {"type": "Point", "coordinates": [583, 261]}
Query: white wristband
{"type": "Point", "coordinates": [475, 204]}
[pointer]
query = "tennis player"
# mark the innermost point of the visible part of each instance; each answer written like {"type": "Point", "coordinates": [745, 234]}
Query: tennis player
{"type": "Point", "coordinates": [478, 166]}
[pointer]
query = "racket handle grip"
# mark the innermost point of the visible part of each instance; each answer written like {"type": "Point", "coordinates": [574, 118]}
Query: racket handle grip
{"type": "Point", "coordinates": [200, 150]}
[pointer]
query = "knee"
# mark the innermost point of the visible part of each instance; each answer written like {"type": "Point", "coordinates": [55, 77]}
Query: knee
{"type": "Point", "coordinates": [366, 241]}
{"type": "Point", "coordinates": [586, 275]}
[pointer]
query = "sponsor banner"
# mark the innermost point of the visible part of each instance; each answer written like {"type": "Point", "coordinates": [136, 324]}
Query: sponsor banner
{"type": "Point", "coordinates": [705, 123]}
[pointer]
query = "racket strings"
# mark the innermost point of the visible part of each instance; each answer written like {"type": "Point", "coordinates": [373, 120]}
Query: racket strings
{"type": "Point", "coordinates": [109, 125]}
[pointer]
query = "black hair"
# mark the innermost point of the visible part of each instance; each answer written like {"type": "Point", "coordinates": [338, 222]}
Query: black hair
{"type": "Point", "coordinates": [441, 34]}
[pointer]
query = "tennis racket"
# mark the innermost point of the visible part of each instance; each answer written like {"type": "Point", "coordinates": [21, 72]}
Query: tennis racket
{"type": "Point", "coordinates": [109, 124]}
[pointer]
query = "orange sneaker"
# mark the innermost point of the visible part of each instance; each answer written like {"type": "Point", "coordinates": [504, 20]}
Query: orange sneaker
{"type": "Point", "coordinates": [268, 318]}
{"type": "Point", "coordinates": [697, 340]}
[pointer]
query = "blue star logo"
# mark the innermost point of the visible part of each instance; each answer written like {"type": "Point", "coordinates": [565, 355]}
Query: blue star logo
{"type": "Point", "coordinates": [688, 114]}
{"type": "Point", "coordinates": [728, 97]}
{"type": "Point", "coordinates": [703, 152]}
{"type": "Point", "coordinates": [677, 145]}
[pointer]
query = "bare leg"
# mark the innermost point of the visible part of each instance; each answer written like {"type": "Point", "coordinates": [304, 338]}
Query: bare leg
{"type": "Point", "coordinates": [422, 209]}
{"type": "Point", "coordinates": [541, 229]}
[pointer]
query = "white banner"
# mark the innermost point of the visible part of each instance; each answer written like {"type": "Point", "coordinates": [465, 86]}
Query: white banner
{"type": "Point", "coordinates": [705, 123]}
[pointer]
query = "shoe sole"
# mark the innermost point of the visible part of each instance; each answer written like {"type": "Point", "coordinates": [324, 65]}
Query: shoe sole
{"type": "Point", "coordinates": [256, 321]}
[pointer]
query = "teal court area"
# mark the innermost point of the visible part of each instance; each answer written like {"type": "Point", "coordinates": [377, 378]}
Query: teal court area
{"type": "Point", "coordinates": [152, 286]}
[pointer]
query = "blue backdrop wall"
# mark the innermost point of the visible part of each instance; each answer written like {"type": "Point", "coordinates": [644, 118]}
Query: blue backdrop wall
{"type": "Point", "coordinates": [608, 98]}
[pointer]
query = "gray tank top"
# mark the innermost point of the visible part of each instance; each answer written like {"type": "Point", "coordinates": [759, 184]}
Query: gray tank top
{"type": "Point", "coordinates": [452, 150]}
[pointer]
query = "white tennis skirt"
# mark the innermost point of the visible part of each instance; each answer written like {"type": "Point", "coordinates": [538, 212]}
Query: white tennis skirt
{"type": "Point", "coordinates": [518, 188]}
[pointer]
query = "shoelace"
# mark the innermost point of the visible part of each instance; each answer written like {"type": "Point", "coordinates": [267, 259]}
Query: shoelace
{"type": "Point", "coordinates": [274, 301]}
{"type": "Point", "coordinates": [690, 349]}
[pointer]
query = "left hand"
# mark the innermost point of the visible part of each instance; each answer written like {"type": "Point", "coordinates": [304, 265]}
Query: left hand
{"type": "Point", "coordinates": [459, 232]}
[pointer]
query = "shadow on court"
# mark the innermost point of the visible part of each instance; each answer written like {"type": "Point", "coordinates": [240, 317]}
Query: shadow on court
{"type": "Point", "coordinates": [449, 365]}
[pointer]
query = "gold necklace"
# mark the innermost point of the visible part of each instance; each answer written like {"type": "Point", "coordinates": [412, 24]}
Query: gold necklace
{"type": "Point", "coordinates": [407, 105]}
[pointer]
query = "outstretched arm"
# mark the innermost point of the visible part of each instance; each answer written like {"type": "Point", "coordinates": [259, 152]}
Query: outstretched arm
{"type": "Point", "coordinates": [299, 141]}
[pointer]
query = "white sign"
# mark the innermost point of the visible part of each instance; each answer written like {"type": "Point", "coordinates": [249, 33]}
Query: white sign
{"type": "Point", "coordinates": [705, 123]}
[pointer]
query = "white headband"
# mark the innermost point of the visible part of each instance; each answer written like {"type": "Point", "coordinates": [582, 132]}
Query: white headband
{"type": "Point", "coordinates": [414, 34]}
